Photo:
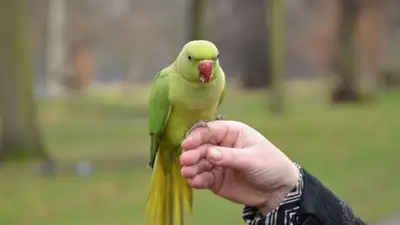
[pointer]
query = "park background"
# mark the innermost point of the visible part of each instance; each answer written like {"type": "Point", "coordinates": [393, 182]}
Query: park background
{"type": "Point", "coordinates": [319, 78]}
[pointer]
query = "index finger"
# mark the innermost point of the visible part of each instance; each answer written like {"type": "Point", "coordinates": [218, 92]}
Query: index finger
{"type": "Point", "coordinates": [214, 133]}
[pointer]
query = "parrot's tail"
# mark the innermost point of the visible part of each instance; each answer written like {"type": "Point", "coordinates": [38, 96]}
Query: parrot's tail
{"type": "Point", "coordinates": [169, 194]}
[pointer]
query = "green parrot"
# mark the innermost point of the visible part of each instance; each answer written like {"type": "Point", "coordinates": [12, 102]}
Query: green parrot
{"type": "Point", "coordinates": [184, 95]}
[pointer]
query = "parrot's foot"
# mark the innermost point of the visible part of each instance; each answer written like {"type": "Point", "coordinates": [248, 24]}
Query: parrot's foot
{"type": "Point", "coordinates": [200, 123]}
{"type": "Point", "coordinates": [220, 117]}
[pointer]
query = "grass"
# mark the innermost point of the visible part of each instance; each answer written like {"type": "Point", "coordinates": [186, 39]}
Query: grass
{"type": "Point", "coordinates": [352, 149]}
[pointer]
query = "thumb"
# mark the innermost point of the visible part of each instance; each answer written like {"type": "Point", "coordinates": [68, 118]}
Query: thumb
{"type": "Point", "coordinates": [228, 157]}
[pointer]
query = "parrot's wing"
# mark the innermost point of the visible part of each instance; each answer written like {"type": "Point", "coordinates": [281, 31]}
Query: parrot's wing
{"type": "Point", "coordinates": [222, 97]}
{"type": "Point", "coordinates": [159, 111]}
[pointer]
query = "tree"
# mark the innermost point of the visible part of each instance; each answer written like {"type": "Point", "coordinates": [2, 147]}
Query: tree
{"type": "Point", "coordinates": [252, 42]}
{"type": "Point", "coordinates": [371, 41]}
{"type": "Point", "coordinates": [359, 54]}
{"type": "Point", "coordinates": [20, 136]}
{"type": "Point", "coordinates": [195, 22]}
{"type": "Point", "coordinates": [391, 71]}
{"type": "Point", "coordinates": [55, 45]}
{"type": "Point", "coordinates": [277, 53]}
{"type": "Point", "coordinates": [345, 65]}
{"type": "Point", "coordinates": [80, 77]}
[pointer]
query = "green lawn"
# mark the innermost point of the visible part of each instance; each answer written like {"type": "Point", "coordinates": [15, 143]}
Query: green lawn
{"type": "Point", "coordinates": [353, 149]}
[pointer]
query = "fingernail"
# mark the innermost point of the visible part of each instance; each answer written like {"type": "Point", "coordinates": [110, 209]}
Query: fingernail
{"type": "Point", "coordinates": [215, 154]}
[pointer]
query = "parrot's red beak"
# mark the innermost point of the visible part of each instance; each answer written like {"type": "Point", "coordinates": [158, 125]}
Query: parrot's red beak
{"type": "Point", "coordinates": [205, 70]}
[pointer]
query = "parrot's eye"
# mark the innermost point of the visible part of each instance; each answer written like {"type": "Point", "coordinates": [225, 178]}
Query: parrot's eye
{"type": "Point", "coordinates": [190, 57]}
{"type": "Point", "coordinates": [218, 56]}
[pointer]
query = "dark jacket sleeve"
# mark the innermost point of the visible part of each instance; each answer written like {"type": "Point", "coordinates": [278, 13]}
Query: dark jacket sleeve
{"type": "Point", "coordinates": [309, 203]}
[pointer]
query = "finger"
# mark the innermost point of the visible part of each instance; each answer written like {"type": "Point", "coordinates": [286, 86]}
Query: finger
{"type": "Point", "coordinates": [232, 138]}
{"type": "Point", "coordinates": [193, 156]}
{"type": "Point", "coordinates": [203, 181]}
{"type": "Point", "coordinates": [191, 171]}
{"type": "Point", "coordinates": [196, 138]}
{"type": "Point", "coordinates": [214, 133]}
{"type": "Point", "coordinates": [229, 157]}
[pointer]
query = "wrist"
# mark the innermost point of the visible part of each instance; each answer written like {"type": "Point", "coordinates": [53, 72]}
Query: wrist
{"type": "Point", "coordinates": [293, 183]}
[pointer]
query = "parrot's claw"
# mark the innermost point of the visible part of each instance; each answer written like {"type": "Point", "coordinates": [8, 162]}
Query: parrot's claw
{"type": "Point", "coordinates": [220, 117]}
{"type": "Point", "coordinates": [200, 123]}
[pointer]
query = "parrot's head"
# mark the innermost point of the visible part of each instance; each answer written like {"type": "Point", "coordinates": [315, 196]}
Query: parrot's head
{"type": "Point", "coordinates": [198, 61]}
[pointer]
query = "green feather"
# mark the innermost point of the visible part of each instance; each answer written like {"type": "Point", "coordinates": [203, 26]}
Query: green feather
{"type": "Point", "coordinates": [159, 111]}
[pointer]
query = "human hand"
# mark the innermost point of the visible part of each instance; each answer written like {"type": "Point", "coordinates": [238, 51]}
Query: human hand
{"type": "Point", "coordinates": [237, 163]}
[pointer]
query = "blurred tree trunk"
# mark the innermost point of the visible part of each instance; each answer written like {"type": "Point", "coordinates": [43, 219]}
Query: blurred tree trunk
{"type": "Point", "coordinates": [277, 53]}
{"type": "Point", "coordinates": [195, 22]}
{"type": "Point", "coordinates": [391, 72]}
{"type": "Point", "coordinates": [80, 76]}
{"type": "Point", "coordinates": [371, 37]}
{"type": "Point", "coordinates": [252, 42]}
{"type": "Point", "coordinates": [20, 136]}
{"type": "Point", "coordinates": [359, 55]}
{"type": "Point", "coordinates": [345, 64]}
{"type": "Point", "coordinates": [55, 45]}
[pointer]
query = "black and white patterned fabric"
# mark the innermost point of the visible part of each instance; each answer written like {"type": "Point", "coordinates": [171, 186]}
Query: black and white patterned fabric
{"type": "Point", "coordinates": [285, 214]}
{"type": "Point", "coordinates": [309, 203]}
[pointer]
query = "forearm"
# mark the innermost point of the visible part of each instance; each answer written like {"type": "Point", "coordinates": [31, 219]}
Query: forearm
{"type": "Point", "coordinates": [308, 203]}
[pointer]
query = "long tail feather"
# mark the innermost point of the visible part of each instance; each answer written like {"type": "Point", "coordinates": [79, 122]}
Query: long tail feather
{"type": "Point", "coordinates": [169, 195]}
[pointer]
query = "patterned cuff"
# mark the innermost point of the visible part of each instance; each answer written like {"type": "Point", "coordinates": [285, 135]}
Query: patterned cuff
{"type": "Point", "coordinates": [285, 214]}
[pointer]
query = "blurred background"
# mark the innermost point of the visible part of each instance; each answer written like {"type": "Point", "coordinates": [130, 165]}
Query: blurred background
{"type": "Point", "coordinates": [320, 78]}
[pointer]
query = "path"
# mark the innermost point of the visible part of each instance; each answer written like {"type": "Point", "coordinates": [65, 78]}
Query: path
{"type": "Point", "coordinates": [394, 220]}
